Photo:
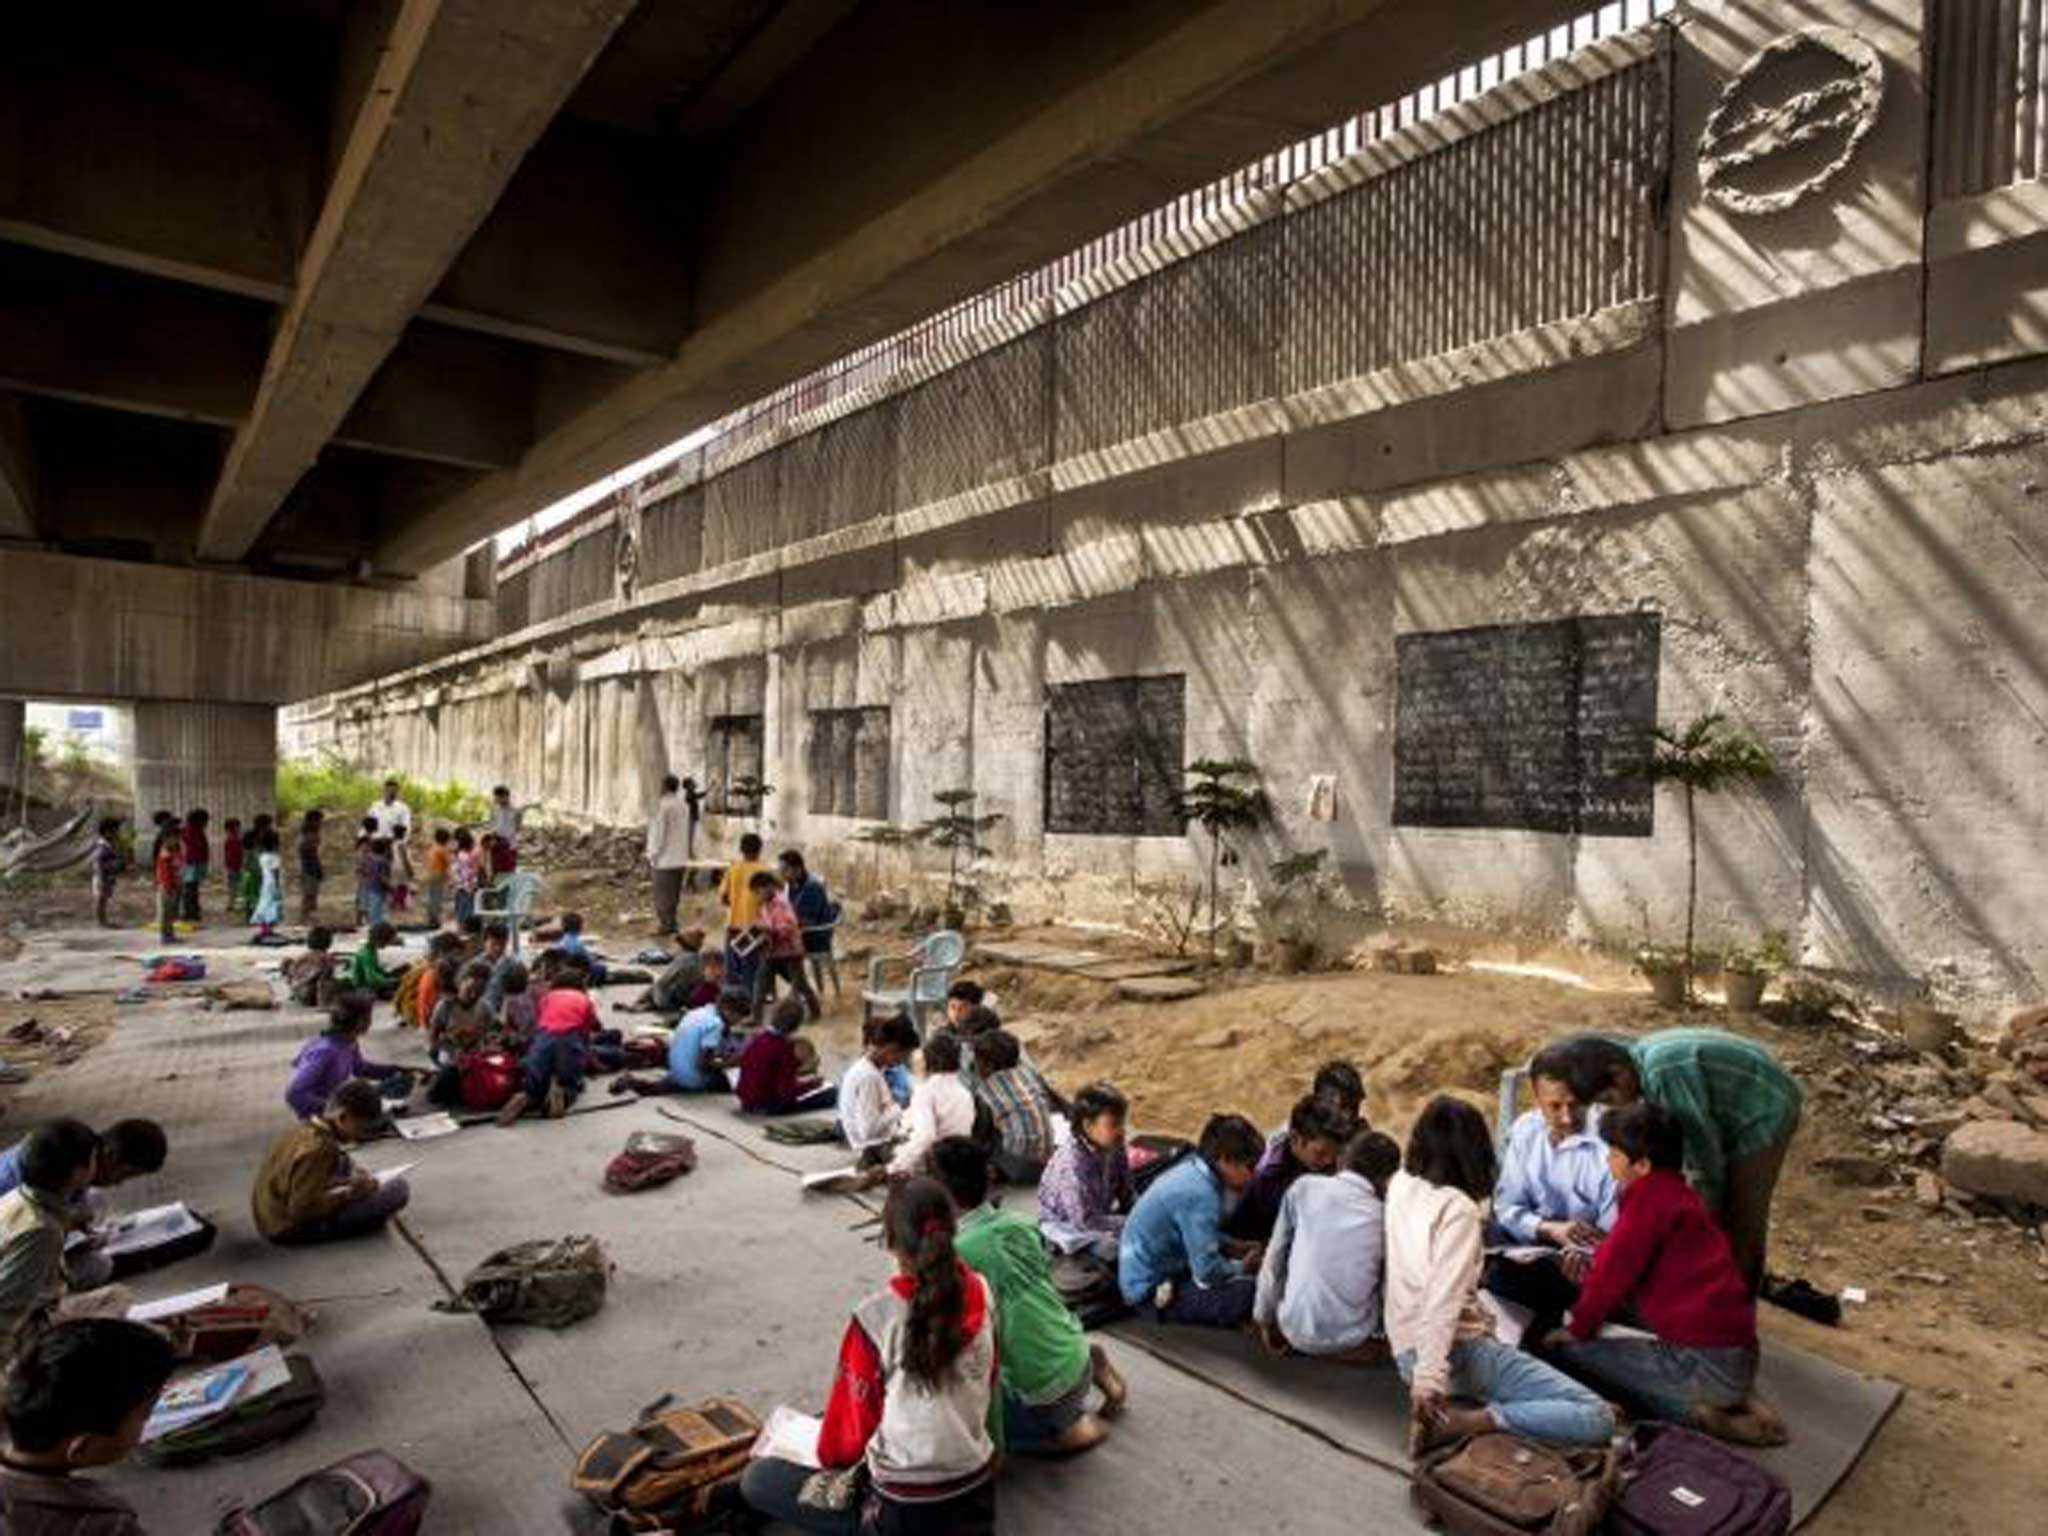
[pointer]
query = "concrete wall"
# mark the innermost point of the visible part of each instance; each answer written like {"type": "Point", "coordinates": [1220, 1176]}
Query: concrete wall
{"type": "Point", "coordinates": [1519, 363]}
{"type": "Point", "coordinates": [220, 756]}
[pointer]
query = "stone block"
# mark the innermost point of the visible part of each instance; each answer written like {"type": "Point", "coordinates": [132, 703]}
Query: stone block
{"type": "Point", "coordinates": [1999, 1159]}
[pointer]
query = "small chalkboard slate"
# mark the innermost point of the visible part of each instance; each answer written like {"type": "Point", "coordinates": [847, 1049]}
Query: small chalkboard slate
{"type": "Point", "coordinates": [1533, 726]}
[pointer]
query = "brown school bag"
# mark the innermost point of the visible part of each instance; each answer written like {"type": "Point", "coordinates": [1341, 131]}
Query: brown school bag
{"type": "Point", "coordinates": [1504, 1485]}
{"type": "Point", "coordinates": [667, 1466]}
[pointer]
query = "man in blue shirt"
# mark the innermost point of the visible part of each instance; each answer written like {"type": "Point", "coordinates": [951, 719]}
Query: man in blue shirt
{"type": "Point", "coordinates": [697, 1054]}
{"type": "Point", "coordinates": [1173, 1254]}
{"type": "Point", "coordinates": [1555, 1192]}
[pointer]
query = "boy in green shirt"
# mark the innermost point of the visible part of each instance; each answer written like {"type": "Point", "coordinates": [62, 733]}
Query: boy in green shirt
{"type": "Point", "coordinates": [366, 971]}
{"type": "Point", "coordinates": [1047, 1364]}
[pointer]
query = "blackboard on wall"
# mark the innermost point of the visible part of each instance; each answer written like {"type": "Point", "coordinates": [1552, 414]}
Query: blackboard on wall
{"type": "Point", "coordinates": [1532, 726]}
{"type": "Point", "coordinates": [1113, 756]}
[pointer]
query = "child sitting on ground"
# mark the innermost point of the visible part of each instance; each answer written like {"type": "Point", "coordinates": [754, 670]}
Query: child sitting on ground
{"type": "Point", "coordinates": [335, 1056]}
{"type": "Point", "coordinates": [571, 942]}
{"type": "Point", "coordinates": [564, 1022]}
{"type": "Point", "coordinates": [772, 1080]}
{"type": "Point", "coordinates": [689, 981]}
{"type": "Point", "coordinates": [870, 1119]}
{"type": "Point", "coordinates": [366, 971]}
{"type": "Point", "coordinates": [1085, 1192]}
{"type": "Point", "coordinates": [1316, 1132]}
{"type": "Point", "coordinates": [56, 1166]}
{"type": "Point", "coordinates": [518, 1005]}
{"type": "Point", "coordinates": [307, 1190]}
{"type": "Point", "coordinates": [127, 1149]}
{"type": "Point", "coordinates": [461, 1021]}
{"type": "Point", "coordinates": [1439, 1327]}
{"type": "Point", "coordinates": [1047, 1365]}
{"type": "Point", "coordinates": [940, 1106]}
{"type": "Point", "coordinates": [78, 1398]}
{"type": "Point", "coordinates": [1019, 1101]}
{"type": "Point", "coordinates": [1319, 1288]}
{"type": "Point", "coordinates": [309, 978]}
{"type": "Point", "coordinates": [914, 1400]}
{"type": "Point", "coordinates": [702, 1047]}
{"type": "Point", "coordinates": [1172, 1256]}
{"type": "Point", "coordinates": [1669, 1265]}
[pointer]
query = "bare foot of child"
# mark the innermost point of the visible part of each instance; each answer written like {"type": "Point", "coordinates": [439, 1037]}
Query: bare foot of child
{"type": "Point", "coordinates": [1109, 1381]}
{"type": "Point", "coordinates": [514, 1108]}
{"type": "Point", "coordinates": [558, 1102]}
{"type": "Point", "coordinates": [1084, 1434]}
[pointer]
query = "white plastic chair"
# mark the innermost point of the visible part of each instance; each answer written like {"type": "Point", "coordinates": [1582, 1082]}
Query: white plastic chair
{"type": "Point", "coordinates": [932, 966]}
{"type": "Point", "coordinates": [511, 900]}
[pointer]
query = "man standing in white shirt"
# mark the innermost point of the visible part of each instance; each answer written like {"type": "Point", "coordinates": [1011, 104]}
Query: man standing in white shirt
{"type": "Point", "coordinates": [390, 813]}
{"type": "Point", "coordinates": [668, 852]}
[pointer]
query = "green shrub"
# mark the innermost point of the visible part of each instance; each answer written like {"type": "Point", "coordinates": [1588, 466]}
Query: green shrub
{"type": "Point", "coordinates": [344, 789]}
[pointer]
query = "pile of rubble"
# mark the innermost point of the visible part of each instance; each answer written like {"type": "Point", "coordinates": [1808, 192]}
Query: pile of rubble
{"type": "Point", "coordinates": [1966, 1127]}
{"type": "Point", "coordinates": [623, 850]}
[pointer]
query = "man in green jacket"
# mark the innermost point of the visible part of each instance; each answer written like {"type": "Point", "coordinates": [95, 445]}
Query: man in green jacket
{"type": "Point", "coordinates": [1047, 1364]}
{"type": "Point", "coordinates": [1739, 1109]}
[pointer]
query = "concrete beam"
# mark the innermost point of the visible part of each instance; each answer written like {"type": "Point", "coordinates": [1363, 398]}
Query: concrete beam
{"type": "Point", "coordinates": [829, 226]}
{"type": "Point", "coordinates": [462, 92]}
{"type": "Point", "coordinates": [17, 473]}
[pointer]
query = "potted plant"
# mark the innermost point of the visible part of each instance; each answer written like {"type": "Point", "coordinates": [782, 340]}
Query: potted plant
{"type": "Point", "coordinates": [957, 829]}
{"type": "Point", "coordinates": [1704, 758]}
{"type": "Point", "coordinates": [1297, 880]}
{"type": "Point", "coordinates": [1746, 972]}
{"type": "Point", "coordinates": [1667, 972]}
{"type": "Point", "coordinates": [1222, 805]}
{"type": "Point", "coordinates": [747, 796]}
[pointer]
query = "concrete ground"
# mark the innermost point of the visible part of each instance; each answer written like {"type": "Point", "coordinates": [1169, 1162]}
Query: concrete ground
{"type": "Point", "coordinates": [728, 1281]}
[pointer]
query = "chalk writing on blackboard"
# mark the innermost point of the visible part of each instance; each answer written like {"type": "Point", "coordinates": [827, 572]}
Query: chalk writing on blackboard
{"type": "Point", "coordinates": [1533, 726]}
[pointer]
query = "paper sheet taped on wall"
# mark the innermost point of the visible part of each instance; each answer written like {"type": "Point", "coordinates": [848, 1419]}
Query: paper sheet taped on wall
{"type": "Point", "coordinates": [1322, 797]}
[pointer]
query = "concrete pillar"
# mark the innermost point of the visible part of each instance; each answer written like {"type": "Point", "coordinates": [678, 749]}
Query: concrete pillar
{"type": "Point", "coordinates": [221, 756]}
{"type": "Point", "coordinates": [13, 713]}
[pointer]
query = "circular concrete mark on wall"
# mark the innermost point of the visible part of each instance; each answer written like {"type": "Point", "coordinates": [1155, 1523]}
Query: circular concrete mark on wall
{"type": "Point", "coordinates": [1790, 121]}
{"type": "Point", "coordinates": [626, 563]}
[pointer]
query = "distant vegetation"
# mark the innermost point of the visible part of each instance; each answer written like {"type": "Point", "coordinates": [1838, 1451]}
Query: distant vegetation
{"type": "Point", "coordinates": [346, 789]}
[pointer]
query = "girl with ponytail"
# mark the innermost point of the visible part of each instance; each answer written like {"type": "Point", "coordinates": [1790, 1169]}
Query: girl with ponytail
{"type": "Point", "coordinates": [913, 1429]}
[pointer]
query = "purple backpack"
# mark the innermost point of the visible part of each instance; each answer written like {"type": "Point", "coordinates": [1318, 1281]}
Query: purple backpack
{"type": "Point", "coordinates": [1678, 1482]}
{"type": "Point", "coordinates": [370, 1494]}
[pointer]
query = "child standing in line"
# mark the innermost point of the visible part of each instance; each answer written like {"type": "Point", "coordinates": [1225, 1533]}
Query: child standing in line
{"type": "Point", "coordinates": [401, 868]}
{"type": "Point", "coordinates": [79, 1398]}
{"type": "Point", "coordinates": [311, 870]}
{"type": "Point", "coordinates": [269, 911]}
{"type": "Point", "coordinates": [231, 862]}
{"type": "Point", "coordinates": [105, 862]}
{"type": "Point", "coordinates": [373, 879]}
{"type": "Point", "coordinates": [167, 862]}
{"type": "Point", "coordinates": [250, 886]}
{"type": "Point", "coordinates": [198, 852]}
{"type": "Point", "coordinates": [555, 1062]}
{"type": "Point", "coordinates": [462, 874]}
{"type": "Point", "coordinates": [440, 861]}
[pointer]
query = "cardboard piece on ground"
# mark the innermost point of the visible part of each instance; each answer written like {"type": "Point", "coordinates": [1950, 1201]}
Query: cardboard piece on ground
{"type": "Point", "coordinates": [1159, 989]}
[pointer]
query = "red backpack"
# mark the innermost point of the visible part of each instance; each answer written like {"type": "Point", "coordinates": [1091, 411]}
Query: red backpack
{"type": "Point", "coordinates": [489, 1079]}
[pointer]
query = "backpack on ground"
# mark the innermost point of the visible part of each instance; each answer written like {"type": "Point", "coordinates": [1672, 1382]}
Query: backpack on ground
{"type": "Point", "coordinates": [1150, 1156]}
{"type": "Point", "coordinates": [246, 1319]}
{"type": "Point", "coordinates": [369, 1494]}
{"type": "Point", "coordinates": [251, 1423]}
{"type": "Point", "coordinates": [489, 1079]}
{"type": "Point", "coordinates": [1678, 1482]}
{"type": "Point", "coordinates": [650, 1158]}
{"type": "Point", "coordinates": [666, 1468]}
{"type": "Point", "coordinates": [140, 1261]}
{"type": "Point", "coordinates": [1088, 1286]}
{"type": "Point", "coordinates": [1504, 1485]}
{"type": "Point", "coordinates": [551, 1281]}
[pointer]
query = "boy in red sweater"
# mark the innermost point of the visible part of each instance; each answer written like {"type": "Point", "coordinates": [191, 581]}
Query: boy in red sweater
{"type": "Point", "coordinates": [772, 1079]}
{"type": "Point", "coordinates": [1667, 1263]}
